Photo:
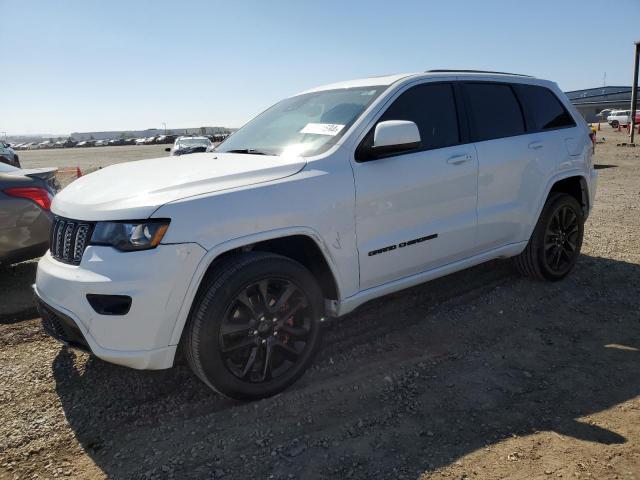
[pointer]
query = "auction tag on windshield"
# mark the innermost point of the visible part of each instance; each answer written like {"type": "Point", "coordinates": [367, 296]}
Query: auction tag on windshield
{"type": "Point", "coordinates": [322, 128]}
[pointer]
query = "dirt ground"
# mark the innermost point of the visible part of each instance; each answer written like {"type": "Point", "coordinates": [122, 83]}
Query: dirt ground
{"type": "Point", "coordinates": [89, 158]}
{"type": "Point", "coordinates": [479, 375]}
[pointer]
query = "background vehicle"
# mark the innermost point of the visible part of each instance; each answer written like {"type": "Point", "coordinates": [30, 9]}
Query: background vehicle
{"type": "Point", "coordinates": [620, 117]}
{"type": "Point", "coordinates": [8, 155]}
{"type": "Point", "coordinates": [186, 145]}
{"type": "Point", "coordinates": [25, 218]}
{"type": "Point", "coordinates": [326, 200]}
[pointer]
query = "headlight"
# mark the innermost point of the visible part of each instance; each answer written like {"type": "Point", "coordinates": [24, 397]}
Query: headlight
{"type": "Point", "coordinates": [130, 236]}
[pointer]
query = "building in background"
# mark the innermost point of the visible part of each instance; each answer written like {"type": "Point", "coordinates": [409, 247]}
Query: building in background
{"type": "Point", "coordinates": [592, 101]}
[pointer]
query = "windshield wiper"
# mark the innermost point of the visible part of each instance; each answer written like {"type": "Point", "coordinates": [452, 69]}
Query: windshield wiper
{"type": "Point", "coordinates": [250, 151]}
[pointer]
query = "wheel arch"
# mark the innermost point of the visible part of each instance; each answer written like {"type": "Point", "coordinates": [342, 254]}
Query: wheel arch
{"type": "Point", "coordinates": [299, 243]}
{"type": "Point", "coordinates": [572, 182]}
{"type": "Point", "coordinates": [577, 187]}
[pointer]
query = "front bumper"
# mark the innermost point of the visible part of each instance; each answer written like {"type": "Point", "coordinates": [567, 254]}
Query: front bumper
{"type": "Point", "coordinates": [156, 280]}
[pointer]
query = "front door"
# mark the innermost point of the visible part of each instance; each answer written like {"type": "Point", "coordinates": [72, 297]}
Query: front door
{"type": "Point", "coordinates": [417, 210]}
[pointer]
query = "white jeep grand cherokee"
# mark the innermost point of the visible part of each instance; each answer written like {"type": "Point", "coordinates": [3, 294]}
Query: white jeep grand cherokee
{"type": "Point", "coordinates": [326, 200]}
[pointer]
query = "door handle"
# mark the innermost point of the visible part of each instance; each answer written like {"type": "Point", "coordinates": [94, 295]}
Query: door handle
{"type": "Point", "coordinates": [458, 159]}
{"type": "Point", "coordinates": [535, 145]}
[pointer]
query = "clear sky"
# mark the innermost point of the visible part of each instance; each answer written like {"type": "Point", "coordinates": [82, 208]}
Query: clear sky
{"type": "Point", "coordinates": [87, 65]}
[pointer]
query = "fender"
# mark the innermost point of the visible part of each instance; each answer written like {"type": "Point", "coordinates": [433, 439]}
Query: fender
{"type": "Point", "coordinates": [575, 172]}
{"type": "Point", "coordinates": [239, 242]}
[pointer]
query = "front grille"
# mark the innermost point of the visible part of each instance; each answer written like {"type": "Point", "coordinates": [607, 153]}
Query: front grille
{"type": "Point", "coordinates": [69, 239]}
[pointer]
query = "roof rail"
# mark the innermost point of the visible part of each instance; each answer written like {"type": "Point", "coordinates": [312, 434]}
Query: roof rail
{"type": "Point", "coordinates": [476, 71]}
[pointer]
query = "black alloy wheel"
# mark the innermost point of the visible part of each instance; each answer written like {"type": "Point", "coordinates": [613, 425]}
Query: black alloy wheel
{"type": "Point", "coordinates": [561, 240]}
{"type": "Point", "coordinates": [554, 246]}
{"type": "Point", "coordinates": [255, 325]}
{"type": "Point", "coordinates": [265, 330]}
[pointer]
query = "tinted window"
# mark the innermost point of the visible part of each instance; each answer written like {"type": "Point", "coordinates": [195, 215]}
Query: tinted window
{"type": "Point", "coordinates": [543, 108]}
{"type": "Point", "coordinates": [433, 109]}
{"type": "Point", "coordinates": [495, 111]}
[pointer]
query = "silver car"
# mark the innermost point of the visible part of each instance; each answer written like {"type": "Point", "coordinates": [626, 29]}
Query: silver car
{"type": "Point", "coordinates": [8, 155]}
{"type": "Point", "coordinates": [25, 218]}
{"type": "Point", "coordinates": [186, 145]}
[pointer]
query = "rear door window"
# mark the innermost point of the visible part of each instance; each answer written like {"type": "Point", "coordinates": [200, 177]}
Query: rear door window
{"type": "Point", "coordinates": [544, 110]}
{"type": "Point", "coordinates": [494, 110]}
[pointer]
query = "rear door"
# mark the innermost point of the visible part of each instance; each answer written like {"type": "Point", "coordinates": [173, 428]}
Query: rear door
{"type": "Point", "coordinates": [417, 210]}
{"type": "Point", "coordinates": [523, 134]}
{"type": "Point", "coordinates": [506, 160]}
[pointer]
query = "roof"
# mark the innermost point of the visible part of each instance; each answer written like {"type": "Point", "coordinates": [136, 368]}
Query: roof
{"type": "Point", "coordinates": [361, 82]}
{"type": "Point", "coordinates": [385, 80]}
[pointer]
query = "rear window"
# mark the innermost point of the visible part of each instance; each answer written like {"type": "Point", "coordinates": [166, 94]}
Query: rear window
{"type": "Point", "coordinates": [495, 111]}
{"type": "Point", "coordinates": [543, 108]}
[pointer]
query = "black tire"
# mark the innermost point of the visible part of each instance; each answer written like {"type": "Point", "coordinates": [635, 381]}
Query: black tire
{"type": "Point", "coordinates": [554, 246]}
{"type": "Point", "coordinates": [614, 124]}
{"type": "Point", "coordinates": [238, 325]}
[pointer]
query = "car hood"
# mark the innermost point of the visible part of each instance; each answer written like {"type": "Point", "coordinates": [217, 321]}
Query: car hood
{"type": "Point", "coordinates": [134, 190]}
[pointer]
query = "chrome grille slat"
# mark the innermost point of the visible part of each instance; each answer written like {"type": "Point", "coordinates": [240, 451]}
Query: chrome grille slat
{"type": "Point", "coordinates": [59, 232]}
{"type": "Point", "coordinates": [80, 242]}
{"type": "Point", "coordinates": [69, 239]}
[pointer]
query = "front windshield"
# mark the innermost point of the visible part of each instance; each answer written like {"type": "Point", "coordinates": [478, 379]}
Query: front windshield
{"type": "Point", "coordinates": [304, 125]}
{"type": "Point", "coordinates": [193, 142]}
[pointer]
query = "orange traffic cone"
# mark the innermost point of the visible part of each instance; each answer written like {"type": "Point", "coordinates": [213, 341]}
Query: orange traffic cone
{"type": "Point", "coordinates": [78, 172]}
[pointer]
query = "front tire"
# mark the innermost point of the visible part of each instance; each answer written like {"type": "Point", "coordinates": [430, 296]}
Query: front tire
{"type": "Point", "coordinates": [255, 326]}
{"type": "Point", "coordinates": [555, 244]}
{"type": "Point", "coordinates": [614, 124]}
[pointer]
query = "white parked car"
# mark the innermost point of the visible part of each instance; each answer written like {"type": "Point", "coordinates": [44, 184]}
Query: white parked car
{"type": "Point", "coordinates": [8, 154]}
{"type": "Point", "coordinates": [186, 145]}
{"type": "Point", "coordinates": [619, 117]}
{"type": "Point", "coordinates": [328, 199]}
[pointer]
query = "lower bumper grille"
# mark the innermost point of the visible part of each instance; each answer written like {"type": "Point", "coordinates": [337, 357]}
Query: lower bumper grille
{"type": "Point", "coordinates": [61, 327]}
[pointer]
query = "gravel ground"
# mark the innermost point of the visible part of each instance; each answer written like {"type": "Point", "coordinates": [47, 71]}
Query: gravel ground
{"type": "Point", "coordinates": [481, 374]}
{"type": "Point", "coordinates": [89, 157]}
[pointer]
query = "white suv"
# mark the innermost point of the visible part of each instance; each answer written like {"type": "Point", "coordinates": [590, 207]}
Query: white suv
{"type": "Point", "coordinates": [328, 199]}
{"type": "Point", "coordinates": [619, 117]}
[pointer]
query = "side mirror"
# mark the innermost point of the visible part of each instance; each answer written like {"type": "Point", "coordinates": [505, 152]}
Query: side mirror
{"type": "Point", "coordinates": [393, 136]}
{"type": "Point", "coordinates": [167, 149]}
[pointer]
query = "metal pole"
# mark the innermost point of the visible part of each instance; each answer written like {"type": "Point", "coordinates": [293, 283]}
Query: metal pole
{"type": "Point", "coordinates": [634, 91]}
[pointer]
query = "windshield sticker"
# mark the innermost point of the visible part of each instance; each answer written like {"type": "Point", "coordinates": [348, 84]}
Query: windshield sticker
{"type": "Point", "coordinates": [322, 128]}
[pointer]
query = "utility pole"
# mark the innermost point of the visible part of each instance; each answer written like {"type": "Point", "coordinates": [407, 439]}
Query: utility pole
{"type": "Point", "coordinates": [634, 91]}
{"type": "Point", "coordinates": [165, 128]}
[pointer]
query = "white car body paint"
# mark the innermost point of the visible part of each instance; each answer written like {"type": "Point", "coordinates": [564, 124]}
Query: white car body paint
{"type": "Point", "coordinates": [478, 200]}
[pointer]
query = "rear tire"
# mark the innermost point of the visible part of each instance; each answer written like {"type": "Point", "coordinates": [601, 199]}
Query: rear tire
{"type": "Point", "coordinates": [614, 124]}
{"type": "Point", "coordinates": [255, 326]}
{"type": "Point", "coordinates": [555, 244]}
